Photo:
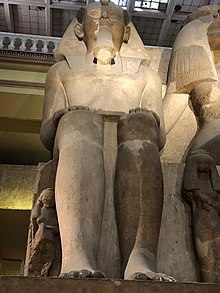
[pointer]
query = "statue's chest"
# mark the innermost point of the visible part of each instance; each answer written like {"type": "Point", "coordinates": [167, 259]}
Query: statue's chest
{"type": "Point", "coordinates": [103, 84]}
{"type": "Point", "coordinates": [115, 92]}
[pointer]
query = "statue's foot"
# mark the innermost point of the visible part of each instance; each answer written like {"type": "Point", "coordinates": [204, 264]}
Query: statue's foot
{"type": "Point", "coordinates": [83, 274]}
{"type": "Point", "coordinates": [151, 276]}
{"type": "Point", "coordinates": [142, 265]}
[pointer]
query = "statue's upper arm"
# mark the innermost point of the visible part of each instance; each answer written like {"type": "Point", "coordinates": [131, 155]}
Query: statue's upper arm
{"type": "Point", "coordinates": [152, 99]}
{"type": "Point", "coordinates": [55, 95]}
{"type": "Point", "coordinates": [153, 85]}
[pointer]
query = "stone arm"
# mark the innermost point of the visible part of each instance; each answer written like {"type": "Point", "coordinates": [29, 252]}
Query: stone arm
{"type": "Point", "coordinates": [198, 198]}
{"type": "Point", "coordinates": [35, 213]}
{"type": "Point", "coordinates": [55, 105]}
{"type": "Point", "coordinates": [174, 104]}
{"type": "Point", "coordinates": [152, 100]}
{"type": "Point", "coordinates": [208, 202]}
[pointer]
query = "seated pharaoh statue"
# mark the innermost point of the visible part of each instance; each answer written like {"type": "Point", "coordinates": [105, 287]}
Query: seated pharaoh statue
{"type": "Point", "coordinates": [103, 67]}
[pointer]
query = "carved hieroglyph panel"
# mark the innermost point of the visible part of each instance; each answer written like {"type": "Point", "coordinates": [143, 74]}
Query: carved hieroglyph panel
{"type": "Point", "coordinates": [17, 186]}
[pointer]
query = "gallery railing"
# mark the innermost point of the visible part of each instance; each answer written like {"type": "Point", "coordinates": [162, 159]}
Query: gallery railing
{"type": "Point", "coordinates": [27, 46]}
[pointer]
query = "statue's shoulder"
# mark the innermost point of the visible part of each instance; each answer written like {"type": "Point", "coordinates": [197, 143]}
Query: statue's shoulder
{"type": "Point", "coordinates": [60, 65]}
{"type": "Point", "coordinates": [148, 72]}
{"type": "Point", "coordinates": [60, 68]}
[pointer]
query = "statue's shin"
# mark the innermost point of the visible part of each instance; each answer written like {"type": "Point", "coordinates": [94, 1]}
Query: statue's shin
{"type": "Point", "coordinates": [207, 242]}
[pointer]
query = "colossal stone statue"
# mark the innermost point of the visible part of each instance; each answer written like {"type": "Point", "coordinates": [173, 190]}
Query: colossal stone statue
{"type": "Point", "coordinates": [201, 186]}
{"type": "Point", "coordinates": [103, 67]}
{"type": "Point", "coordinates": [193, 74]}
{"type": "Point", "coordinates": [193, 77]}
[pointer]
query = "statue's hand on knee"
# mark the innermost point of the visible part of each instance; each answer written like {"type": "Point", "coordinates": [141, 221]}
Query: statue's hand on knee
{"type": "Point", "coordinates": [58, 114]}
{"type": "Point", "coordinates": [80, 107]}
{"type": "Point", "coordinates": [139, 124]}
{"type": "Point", "coordinates": [145, 110]}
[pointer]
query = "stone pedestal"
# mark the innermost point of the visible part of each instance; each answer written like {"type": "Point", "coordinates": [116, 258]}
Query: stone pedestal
{"type": "Point", "coordinates": [57, 285]}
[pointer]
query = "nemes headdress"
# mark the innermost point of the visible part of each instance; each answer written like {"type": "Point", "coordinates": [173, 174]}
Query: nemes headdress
{"type": "Point", "coordinates": [70, 44]}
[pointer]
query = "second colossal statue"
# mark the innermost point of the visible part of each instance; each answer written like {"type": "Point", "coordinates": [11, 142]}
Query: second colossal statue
{"type": "Point", "coordinates": [194, 78]}
{"type": "Point", "coordinates": [102, 65]}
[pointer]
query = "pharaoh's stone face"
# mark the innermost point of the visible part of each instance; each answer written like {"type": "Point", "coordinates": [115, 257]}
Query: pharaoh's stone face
{"type": "Point", "coordinates": [103, 29]}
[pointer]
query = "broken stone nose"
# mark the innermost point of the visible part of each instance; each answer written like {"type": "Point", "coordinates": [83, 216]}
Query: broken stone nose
{"type": "Point", "coordinates": [104, 51]}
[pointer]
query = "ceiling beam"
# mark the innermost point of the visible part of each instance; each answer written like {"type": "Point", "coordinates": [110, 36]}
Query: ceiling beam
{"type": "Point", "coordinates": [149, 13]}
{"type": "Point", "coordinates": [214, 2]}
{"type": "Point", "coordinates": [158, 14]}
{"type": "Point", "coordinates": [130, 7]}
{"type": "Point", "coordinates": [27, 3]}
{"type": "Point", "coordinates": [88, 1]}
{"type": "Point", "coordinates": [60, 5]}
{"type": "Point", "coordinates": [48, 18]}
{"type": "Point", "coordinates": [8, 16]}
{"type": "Point", "coordinates": [166, 22]}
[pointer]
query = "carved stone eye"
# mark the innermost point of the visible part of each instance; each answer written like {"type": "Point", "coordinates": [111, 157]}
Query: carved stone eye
{"type": "Point", "coordinates": [216, 15]}
{"type": "Point", "coordinates": [94, 13]}
{"type": "Point", "coordinates": [115, 16]}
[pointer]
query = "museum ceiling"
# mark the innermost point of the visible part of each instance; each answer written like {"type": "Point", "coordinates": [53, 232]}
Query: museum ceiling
{"type": "Point", "coordinates": [157, 21]}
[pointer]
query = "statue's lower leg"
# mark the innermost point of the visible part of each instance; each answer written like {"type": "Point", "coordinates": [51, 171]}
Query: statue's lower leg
{"type": "Point", "coordinates": [206, 232]}
{"type": "Point", "coordinates": [79, 191]}
{"type": "Point", "coordinates": [139, 196]}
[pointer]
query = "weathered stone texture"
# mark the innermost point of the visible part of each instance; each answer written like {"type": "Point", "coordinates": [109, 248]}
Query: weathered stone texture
{"type": "Point", "coordinates": [57, 285]}
{"type": "Point", "coordinates": [45, 179]}
{"type": "Point", "coordinates": [92, 176]}
{"type": "Point", "coordinates": [175, 251]}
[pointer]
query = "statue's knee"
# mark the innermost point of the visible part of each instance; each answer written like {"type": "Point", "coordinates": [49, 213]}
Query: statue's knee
{"type": "Point", "coordinates": [86, 124]}
{"type": "Point", "coordinates": [139, 126]}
